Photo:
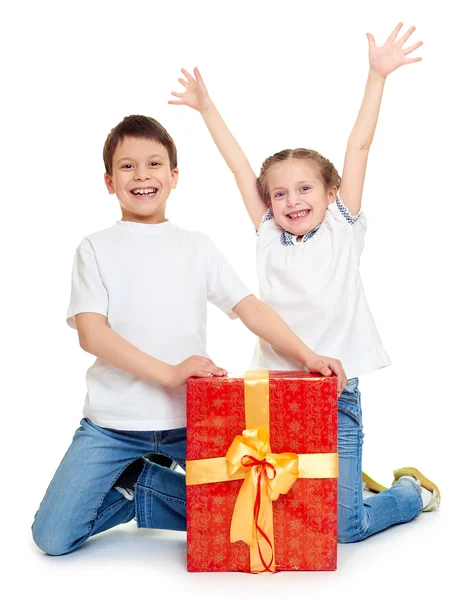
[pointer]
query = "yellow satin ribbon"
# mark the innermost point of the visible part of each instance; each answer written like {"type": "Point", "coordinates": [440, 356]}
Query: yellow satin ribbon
{"type": "Point", "coordinates": [250, 458]}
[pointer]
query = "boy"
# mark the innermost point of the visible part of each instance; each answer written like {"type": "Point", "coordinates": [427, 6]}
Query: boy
{"type": "Point", "coordinates": [139, 300]}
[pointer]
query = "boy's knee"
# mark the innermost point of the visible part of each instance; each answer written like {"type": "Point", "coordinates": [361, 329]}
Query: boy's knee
{"type": "Point", "coordinates": [49, 538]}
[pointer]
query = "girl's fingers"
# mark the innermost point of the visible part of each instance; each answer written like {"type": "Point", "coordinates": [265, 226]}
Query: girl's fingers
{"type": "Point", "coordinates": [198, 75]}
{"type": "Point", "coordinates": [408, 61]}
{"type": "Point", "coordinates": [177, 94]}
{"type": "Point", "coordinates": [188, 76]}
{"type": "Point", "coordinates": [176, 102]}
{"type": "Point", "coordinates": [405, 36]}
{"type": "Point", "coordinates": [411, 48]}
{"type": "Point", "coordinates": [394, 33]}
{"type": "Point", "coordinates": [183, 82]}
{"type": "Point", "coordinates": [370, 39]}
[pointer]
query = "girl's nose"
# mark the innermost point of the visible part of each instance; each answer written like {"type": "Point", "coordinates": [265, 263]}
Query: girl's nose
{"type": "Point", "coordinates": [293, 200]}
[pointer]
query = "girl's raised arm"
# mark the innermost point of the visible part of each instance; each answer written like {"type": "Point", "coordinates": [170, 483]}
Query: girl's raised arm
{"type": "Point", "coordinates": [196, 96]}
{"type": "Point", "coordinates": [382, 61]}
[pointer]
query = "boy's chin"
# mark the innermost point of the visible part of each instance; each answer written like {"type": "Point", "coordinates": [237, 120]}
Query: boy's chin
{"type": "Point", "coordinates": [144, 215]}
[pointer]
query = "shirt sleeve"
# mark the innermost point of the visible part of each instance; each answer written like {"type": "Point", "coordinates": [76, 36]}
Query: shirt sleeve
{"type": "Point", "coordinates": [268, 216]}
{"type": "Point", "coordinates": [341, 216]}
{"type": "Point", "coordinates": [88, 291]}
{"type": "Point", "coordinates": [224, 288]}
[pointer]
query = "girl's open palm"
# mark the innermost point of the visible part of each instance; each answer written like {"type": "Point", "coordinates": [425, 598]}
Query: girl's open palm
{"type": "Point", "coordinates": [385, 59]}
{"type": "Point", "coordinates": [196, 95]}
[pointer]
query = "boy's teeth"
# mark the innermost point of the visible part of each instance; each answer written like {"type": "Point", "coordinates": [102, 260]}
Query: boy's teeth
{"type": "Point", "coordinates": [144, 191]}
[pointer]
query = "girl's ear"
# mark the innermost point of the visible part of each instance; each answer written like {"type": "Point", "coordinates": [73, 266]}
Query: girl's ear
{"type": "Point", "coordinates": [332, 194]}
{"type": "Point", "coordinates": [109, 184]}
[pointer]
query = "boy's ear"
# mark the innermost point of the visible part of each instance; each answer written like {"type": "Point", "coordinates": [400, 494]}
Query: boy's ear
{"type": "Point", "coordinates": [108, 182]}
{"type": "Point", "coordinates": [174, 178]}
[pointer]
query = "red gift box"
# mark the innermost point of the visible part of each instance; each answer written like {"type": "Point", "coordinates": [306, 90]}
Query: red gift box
{"type": "Point", "coordinates": [302, 420]}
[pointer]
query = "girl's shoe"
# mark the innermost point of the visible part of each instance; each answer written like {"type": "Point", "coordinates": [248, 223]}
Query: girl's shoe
{"type": "Point", "coordinates": [371, 485]}
{"type": "Point", "coordinates": [435, 498]}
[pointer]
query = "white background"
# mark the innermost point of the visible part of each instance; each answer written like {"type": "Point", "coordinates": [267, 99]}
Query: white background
{"type": "Point", "coordinates": [283, 74]}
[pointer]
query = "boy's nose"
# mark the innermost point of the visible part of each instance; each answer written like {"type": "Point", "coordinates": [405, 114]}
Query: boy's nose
{"type": "Point", "coordinates": [142, 175]}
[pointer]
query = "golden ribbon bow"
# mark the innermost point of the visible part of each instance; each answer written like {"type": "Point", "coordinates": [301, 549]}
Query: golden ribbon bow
{"type": "Point", "coordinates": [266, 475]}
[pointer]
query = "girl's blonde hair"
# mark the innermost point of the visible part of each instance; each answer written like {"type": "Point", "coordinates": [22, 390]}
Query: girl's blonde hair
{"type": "Point", "coordinates": [328, 173]}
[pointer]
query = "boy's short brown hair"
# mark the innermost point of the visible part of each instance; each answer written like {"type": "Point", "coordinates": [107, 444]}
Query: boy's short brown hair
{"type": "Point", "coordinates": [138, 126]}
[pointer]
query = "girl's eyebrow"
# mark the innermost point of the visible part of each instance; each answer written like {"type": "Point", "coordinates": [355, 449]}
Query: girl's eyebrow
{"type": "Point", "coordinates": [282, 187]}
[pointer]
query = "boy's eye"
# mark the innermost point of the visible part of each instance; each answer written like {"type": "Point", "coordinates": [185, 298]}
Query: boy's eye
{"type": "Point", "coordinates": [127, 166]}
{"type": "Point", "coordinates": [154, 163]}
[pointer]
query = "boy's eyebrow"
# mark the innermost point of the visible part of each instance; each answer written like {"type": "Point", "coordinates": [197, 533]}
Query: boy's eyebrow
{"type": "Point", "coordinates": [129, 158]}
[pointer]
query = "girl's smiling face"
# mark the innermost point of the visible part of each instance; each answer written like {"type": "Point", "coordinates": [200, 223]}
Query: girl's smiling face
{"type": "Point", "coordinates": [298, 197]}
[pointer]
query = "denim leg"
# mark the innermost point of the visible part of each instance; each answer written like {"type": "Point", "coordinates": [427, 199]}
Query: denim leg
{"type": "Point", "coordinates": [160, 498]}
{"type": "Point", "coordinates": [160, 493]}
{"type": "Point", "coordinates": [359, 518]}
{"type": "Point", "coordinates": [80, 501]}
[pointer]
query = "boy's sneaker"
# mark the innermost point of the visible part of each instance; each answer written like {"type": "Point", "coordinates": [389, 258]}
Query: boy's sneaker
{"type": "Point", "coordinates": [431, 496]}
{"type": "Point", "coordinates": [125, 484]}
{"type": "Point", "coordinates": [162, 460]}
{"type": "Point", "coordinates": [128, 493]}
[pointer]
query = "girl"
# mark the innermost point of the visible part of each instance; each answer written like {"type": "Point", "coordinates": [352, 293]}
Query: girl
{"type": "Point", "coordinates": [305, 227]}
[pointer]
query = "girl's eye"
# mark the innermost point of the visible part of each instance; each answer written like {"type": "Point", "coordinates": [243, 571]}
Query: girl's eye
{"type": "Point", "coordinates": [304, 188]}
{"type": "Point", "coordinates": [278, 194]}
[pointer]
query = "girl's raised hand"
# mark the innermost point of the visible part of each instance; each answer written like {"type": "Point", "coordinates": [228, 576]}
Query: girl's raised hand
{"type": "Point", "coordinates": [385, 59]}
{"type": "Point", "coordinates": [196, 95]}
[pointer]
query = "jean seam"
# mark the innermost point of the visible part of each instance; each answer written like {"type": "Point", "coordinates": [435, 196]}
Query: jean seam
{"type": "Point", "coordinates": [163, 496]}
{"type": "Point", "coordinates": [110, 508]}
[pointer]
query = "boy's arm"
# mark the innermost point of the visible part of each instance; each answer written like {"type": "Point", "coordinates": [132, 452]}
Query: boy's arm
{"type": "Point", "coordinates": [264, 322]}
{"type": "Point", "coordinates": [97, 338]}
{"type": "Point", "coordinates": [382, 61]}
{"type": "Point", "coordinates": [196, 96]}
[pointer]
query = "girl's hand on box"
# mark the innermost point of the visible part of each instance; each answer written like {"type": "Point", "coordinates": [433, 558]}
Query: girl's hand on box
{"type": "Point", "coordinates": [194, 366]}
{"type": "Point", "coordinates": [196, 95]}
{"type": "Point", "coordinates": [327, 366]}
{"type": "Point", "coordinates": [385, 59]}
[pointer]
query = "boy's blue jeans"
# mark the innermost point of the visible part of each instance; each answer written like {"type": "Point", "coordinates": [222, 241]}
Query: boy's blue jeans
{"type": "Point", "coordinates": [80, 501]}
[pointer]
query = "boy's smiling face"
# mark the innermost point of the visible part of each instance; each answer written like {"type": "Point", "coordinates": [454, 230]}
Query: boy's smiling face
{"type": "Point", "coordinates": [142, 180]}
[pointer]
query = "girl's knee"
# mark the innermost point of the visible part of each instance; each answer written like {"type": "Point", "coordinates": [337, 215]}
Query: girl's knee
{"type": "Point", "coordinates": [352, 530]}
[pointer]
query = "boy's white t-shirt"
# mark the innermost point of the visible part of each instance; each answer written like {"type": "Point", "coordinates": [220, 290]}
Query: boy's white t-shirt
{"type": "Point", "coordinates": [316, 287]}
{"type": "Point", "coordinates": [152, 282]}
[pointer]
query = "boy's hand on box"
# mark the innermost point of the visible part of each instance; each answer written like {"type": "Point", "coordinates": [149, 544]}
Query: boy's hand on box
{"type": "Point", "coordinates": [327, 366]}
{"type": "Point", "coordinates": [194, 366]}
{"type": "Point", "coordinates": [196, 95]}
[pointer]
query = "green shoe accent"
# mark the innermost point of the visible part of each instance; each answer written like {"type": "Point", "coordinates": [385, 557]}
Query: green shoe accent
{"type": "Point", "coordinates": [371, 485]}
{"type": "Point", "coordinates": [424, 482]}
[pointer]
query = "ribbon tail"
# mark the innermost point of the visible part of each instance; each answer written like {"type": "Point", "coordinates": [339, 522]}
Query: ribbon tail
{"type": "Point", "coordinates": [262, 553]}
{"type": "Point", "coordinates": [242, 523]}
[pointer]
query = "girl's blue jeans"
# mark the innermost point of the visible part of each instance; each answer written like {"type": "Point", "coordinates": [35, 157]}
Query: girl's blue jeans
{"type": "Point", "coordinates": [81, 502]}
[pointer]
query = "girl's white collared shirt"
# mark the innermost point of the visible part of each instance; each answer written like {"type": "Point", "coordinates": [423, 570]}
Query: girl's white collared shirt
{"type": "Point", "coordinates": [315, 286]}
